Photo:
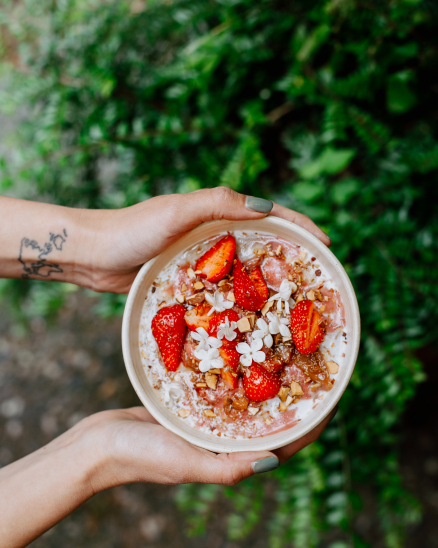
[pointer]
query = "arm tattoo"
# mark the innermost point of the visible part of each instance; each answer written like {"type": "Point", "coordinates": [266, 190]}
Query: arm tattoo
{"type": "Point", "coordinates": [41, 267]}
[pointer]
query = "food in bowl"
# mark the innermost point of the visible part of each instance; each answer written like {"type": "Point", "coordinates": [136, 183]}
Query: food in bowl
{"type": "Point", "coordinates": [243, 335]}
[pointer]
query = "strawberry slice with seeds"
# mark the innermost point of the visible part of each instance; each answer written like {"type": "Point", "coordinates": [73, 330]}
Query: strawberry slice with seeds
{"type": "Point", "coordinates": [230, 356]}
{"type": "Point", "coordinates": [245, 290]}
{"type": "Point", "coordinates": [261, 385]}
{"type": "Point", "coordinates": [216, 263]}
{"type": "Point", "coordinates": [197, 317]}
{"type": "Point", "coordinates": [259, 282]}
{"type": "Point", "coordinates": [305, 326]}
{"type": "Point", "coordinates": [168, 329]}
{"type": "Point", "coordinates": [231, 379]}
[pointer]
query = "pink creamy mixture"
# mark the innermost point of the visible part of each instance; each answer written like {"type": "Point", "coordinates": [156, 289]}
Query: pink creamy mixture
{"type": "Point", "coordinates": [179, 391]}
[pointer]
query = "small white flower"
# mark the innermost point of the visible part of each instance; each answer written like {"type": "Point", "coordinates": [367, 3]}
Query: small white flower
{"type": "Point", "coordinates": [286, 290]}
{"type": "Point", "coordinates": [210, 359]}
{"type": "Point", "coordinates": [172, 392]}
{"type": "Point", "coordinates": [250, 353]}
{"type": "Point", "coordinates": [263, 333]}
{"type": "Point", "coordinates": [278, 325]}
{"type": "Point", "coordinates": [217, 302]}
{"type": "Point", "coordinates": [227, 330]}
{"type": "Point", "coordinates": [205, 341]}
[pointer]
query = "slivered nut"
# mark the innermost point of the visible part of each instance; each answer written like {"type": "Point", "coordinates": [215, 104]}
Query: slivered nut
{"type": "Point", "coordinates": [215, 371]}
{"type": "Point", "coordinates": [253, 410]}
{"type": "Point", "coordinates": [286, 339]}
{"type": "Point", "coordinates": [285, 405]}
{"type": "Point", "coordinates": [278, 250]}
{"type": "Point", "coordinates": [180, 298]}
{"type": "Point", "coordinates": [222, 282]}
{"type": "Point", "coordinates": [260, 252]}
{"type": "Point", "coordinates": [283, 393]}
{"type": "Point", "coordinates": [333, 367]}
{"type": "Point", "coordinates": [191, 273]}
{"type": "Point", "coordinates": [198, 298]}
{"type": "Point", "coordinates": [198, 285]}
{"type": "Point", "coordinates": [268, 421]}
{"type": "Point", "coordinates": [268, 305]}
{"type": "Point", "coordinates": [311, 295]}
{"type": "Point", "coordinates": [295, 389]}
{"type": "Point", "coordinates": [198, 271]}
{"type": "Point", "coordinates": [231, 297]}
{"type": "Point", "coordinates": [303, 255]}
{"type": "Point", "coordinates": [315, 386]}
{"type": "Point", "coordinates": [211, 380]}
{"type": "Point", "coordinates": [209, 413]}
{"type": "Point", "coordinates": [201, 385]}
{"type": "Point", "coordinates": [243, 325]}
{"type": "Point", "coordinates": [252, 319]}
{"type": "Point", "coordinates": [184, 413]}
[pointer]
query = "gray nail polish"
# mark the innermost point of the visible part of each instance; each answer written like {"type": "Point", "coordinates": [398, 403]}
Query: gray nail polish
{"type": "Point", "coordinates": [258, 204]}
{"type": "Point", "coordinates": [265, 465]}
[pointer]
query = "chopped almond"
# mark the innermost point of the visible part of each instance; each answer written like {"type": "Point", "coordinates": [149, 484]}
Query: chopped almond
{"type": "Point", "coordinates": [303, 255]}
{"type": "Point", "coordinates": [240, 403]}
{"type": "Point", "coordinates": [278, 250]}
{"type": "Point", "coordinates": [253, 410]}
{"type": "Point", "coordinates": [180, 298]}
{"type": "Point", "coordinates": [222, 282]}
{"type": "Point", "coordinates": [211, 380]}
{"type": "Point", "coordinates": [198, 285]}
{"type": "Point", "coordinates": [311, 295]}
{"type": "Point", "coordinates": [184, 413]}
{"type": "Point", "coordinates": [299, 298]}
{"type": "Point", "coordinates": [209, 413]}
{"type": "Point", "coordinates": [231, 297]}
{"type": "Point", "coordinates": [201, 385]}
{"type": "Point", "coordinates": [326, 298]}
{"type": "Point", "coordinates": [283, 393]}
{"type": "Point", "coordinates": [268, 421]}
{"type": "Point", "coordinates": [215, 371]}
{"type": "Point", "coordinates": [333, 367]}
{"type": "Point", "coordinates": [243, 325]}
{"type": "Point", "coordinates": [143, 354]}
{"type": "Point", "coordinates": [191, 273]}
{"type": "Point", "coordinates": [315, 386]}
{"type": "Point", "coordinates": [260, 252]}
{"type": "Point", "coordinates": [183, 288]}
{"type": "Point", "coordinates": [295, 389]}
{"type": "Point", "coordinates": [252, 319]}
{"type": "Point", "coordinates": [198, 271]}
{"type": "Point", "coordinates": [286, 339]}
{"type": "Point", "coordinates": [198, 298]}
{"type": "Point", "coordinates": [322, 308]}
{"type": "Point", "coordinates": [268, 305]}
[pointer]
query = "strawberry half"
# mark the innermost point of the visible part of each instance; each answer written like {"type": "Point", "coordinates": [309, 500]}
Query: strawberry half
{"type": "Point", "coordinates": [169, 328]}
{"type": "Point", "coordinates": [305, 326]}
{"type": "Point", "coordinates": [259, 282]}
{"type": "Point", "coordinates": [231, 379]}
{"type": "Point", "coordinates": [197, 317]}
{"type": "Point", "coordinates": [245, 290]}
{"type": "Point", "coordinates": [261, 385]}
{"type": "Point", "coordinates": [216, 263]}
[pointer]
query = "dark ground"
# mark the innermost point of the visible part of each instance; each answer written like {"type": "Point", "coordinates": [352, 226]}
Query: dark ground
{"type": "Point", "coordinates": [54, 375]}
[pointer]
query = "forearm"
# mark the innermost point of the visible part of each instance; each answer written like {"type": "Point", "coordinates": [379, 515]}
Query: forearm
{"type": "Point", "coordinates": [46, 242]}
{"type": "Point", "coordinates": [39, 490]}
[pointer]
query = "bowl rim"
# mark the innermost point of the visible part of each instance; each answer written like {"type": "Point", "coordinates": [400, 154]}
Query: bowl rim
{"type": "Point", "coordinates": [218, 444]}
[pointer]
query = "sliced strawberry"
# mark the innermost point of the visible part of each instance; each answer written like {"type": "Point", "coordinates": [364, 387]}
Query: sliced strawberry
{"type": "Point", "coordinates": [197, 317]}
{"type": "Point", "coordinates": [231, 379]}
{"type": "Point", "coordinates": [168, 328]}
{"type": "Point", "coordinates": [261, 385]}
{"type": "Point", "coordinates": [245, 290]}
{"type": "Point", "coordinates": [216, 263]}
{"type": "Point", "coordinates": [273, 364]}
{"type": "Point", "coordinates": [259, 282]}
{"type": "Point", "coordinates": [305, 326]}
{"type": "Point", "coordinates": [230, 356]}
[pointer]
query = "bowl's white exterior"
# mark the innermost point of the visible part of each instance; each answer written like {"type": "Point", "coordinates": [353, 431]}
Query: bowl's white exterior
{"type": "Point", "coordinates": [131, 326]}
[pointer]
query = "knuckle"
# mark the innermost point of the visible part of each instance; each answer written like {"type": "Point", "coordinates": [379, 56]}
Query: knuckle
{"type": "Point", "coordinates": [231, 477]}
{"type": "Point", "coordinates": [223, 193]}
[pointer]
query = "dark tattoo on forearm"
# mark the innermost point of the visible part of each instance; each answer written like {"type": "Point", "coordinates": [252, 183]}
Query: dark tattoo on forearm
{"type": "Point", "coordinates": [41, 267]}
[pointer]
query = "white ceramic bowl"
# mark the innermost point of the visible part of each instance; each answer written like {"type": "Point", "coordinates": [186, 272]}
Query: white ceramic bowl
{"type": "Point", "coordinates": [131, 334]}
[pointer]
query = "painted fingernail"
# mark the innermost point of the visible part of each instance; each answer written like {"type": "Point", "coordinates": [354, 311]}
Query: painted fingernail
{"type": "Point", "coordinates": [258, 204]}
{"type": "Point", "coordinates": [265, 465]}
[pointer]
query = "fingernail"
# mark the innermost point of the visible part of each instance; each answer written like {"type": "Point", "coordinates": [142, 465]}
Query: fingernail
{"type": "Point", "coordinates": [258, 204]}
{"type": "Point", "coordinates": [265, 465]}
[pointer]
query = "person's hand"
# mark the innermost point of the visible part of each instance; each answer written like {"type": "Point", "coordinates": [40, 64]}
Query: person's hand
{"type": "Point", "coordinates": [127, 238]}
{"type": "Point", "coordinates": [133, 447]}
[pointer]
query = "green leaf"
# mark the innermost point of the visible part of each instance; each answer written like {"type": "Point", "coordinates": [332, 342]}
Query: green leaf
{"type": "Point", "coordinates": [399, 96]}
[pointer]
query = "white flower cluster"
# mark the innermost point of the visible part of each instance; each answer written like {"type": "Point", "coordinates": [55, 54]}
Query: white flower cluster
{"type": "Point", "coordinates": [276, 325]}
{"type": "Point", "coordinates": [284, 294]}
{"type": "Point", "coordinates": [218, 302]}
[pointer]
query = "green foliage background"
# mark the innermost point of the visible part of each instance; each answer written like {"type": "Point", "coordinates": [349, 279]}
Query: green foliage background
{"type": "Point", "coordinates": [329, 107]}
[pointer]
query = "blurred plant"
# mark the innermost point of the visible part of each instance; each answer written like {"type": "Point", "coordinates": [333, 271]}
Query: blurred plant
{"type": "Point", "coordinates": [326, 106]}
